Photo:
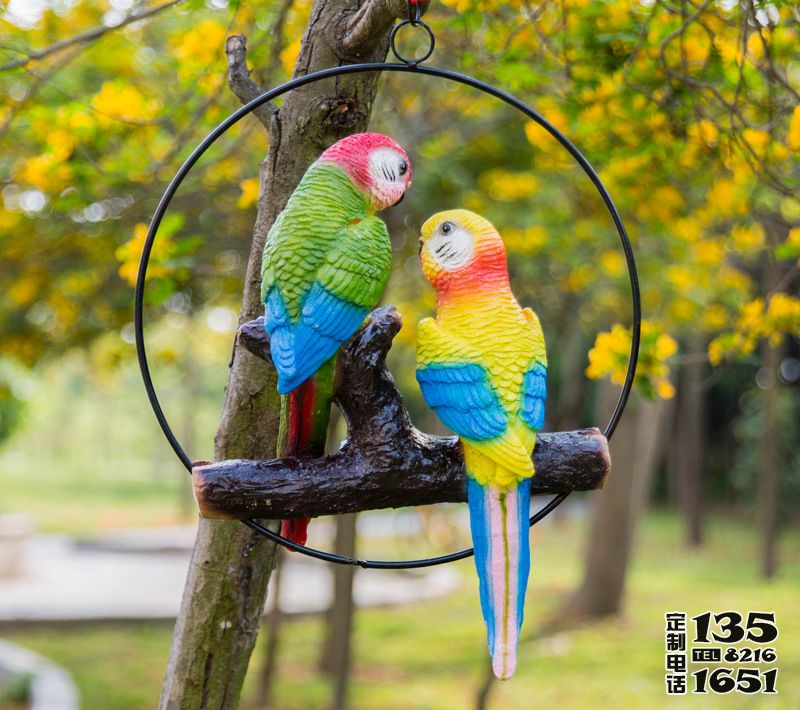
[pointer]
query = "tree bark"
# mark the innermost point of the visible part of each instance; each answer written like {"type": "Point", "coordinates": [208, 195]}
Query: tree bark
{"type": "Point", "coordinates": [429, 469]}
{"type": "Point", "coordinates": [191, 391]}
{"type": "Point", "coordinates": [635, 447]}
{"type": "Point", "coordinates": [769, 464]}
{"type": "Point", "coordinates": [230, 568]}
{"type": "Point", "coordinates": [690, 437]}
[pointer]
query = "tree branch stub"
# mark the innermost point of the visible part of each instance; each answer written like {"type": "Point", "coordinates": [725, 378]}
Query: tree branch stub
{"type": "Point", "coordinates": [240, 81]}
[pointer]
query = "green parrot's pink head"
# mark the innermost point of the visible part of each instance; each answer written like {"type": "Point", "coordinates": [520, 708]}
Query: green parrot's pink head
{"type": "Point", "coordinates": [376, 165]}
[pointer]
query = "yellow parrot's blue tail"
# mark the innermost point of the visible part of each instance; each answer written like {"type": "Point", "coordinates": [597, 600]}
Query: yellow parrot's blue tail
{"type": "Point", "coordinates": [499, 523]}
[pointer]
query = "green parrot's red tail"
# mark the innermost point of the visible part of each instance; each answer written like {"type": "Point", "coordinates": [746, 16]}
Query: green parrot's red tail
{"type": "Point", "coordinates": [305, 413]}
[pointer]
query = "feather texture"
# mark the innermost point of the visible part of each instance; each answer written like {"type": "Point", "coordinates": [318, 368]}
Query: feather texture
{"type": "Point", "coordinates": [463, 398]}
{"type": "Point", "coordinates": [499, 525]}
{"type": "Point", "coordinates": [326, 262]}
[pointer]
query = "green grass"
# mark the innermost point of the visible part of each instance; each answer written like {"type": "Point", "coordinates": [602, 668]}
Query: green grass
{"type": "Point", "coordinates": [83, 499]}
{"type": "Point", "coordinates": [89, 456]}
{"type": "Point", "coordinates": [115, 667]}
{"type": "Point", "coordinates": [433, 655]}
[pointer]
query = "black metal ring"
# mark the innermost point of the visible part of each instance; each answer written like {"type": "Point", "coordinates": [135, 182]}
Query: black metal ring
{"type": "Point", "coordinates": [234, 118]}
{"type": "Point", "coordinates": [413, 23]}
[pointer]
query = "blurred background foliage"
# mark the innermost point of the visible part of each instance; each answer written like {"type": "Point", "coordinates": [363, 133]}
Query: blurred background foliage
{"type": "Point", "coordinates": [689, 111]}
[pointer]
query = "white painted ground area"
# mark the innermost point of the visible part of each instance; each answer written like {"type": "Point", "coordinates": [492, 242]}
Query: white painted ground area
{"type": "Point", "coordinates": [140, 576]}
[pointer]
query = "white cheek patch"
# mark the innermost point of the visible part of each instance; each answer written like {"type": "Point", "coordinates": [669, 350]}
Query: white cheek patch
{"type": "Point", "coordinates": [384, 164]}
{"type": "Point", "coordinates": [453, 251]}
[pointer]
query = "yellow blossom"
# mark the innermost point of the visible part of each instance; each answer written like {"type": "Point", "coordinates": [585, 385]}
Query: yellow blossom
{"type": "Point", "coordinates": [709, 252]}
{"type": "Point", "coordinates": [726, 198]}
{"type": "Point", "coordinates": [474, 201]}
{"type": "Point", "coordinates": [696, 46]}
{"type": "Point", "coordinates": [202, 45]}
{"type": "Point", "coordinates": [680, 277]}
{"type": "Point", "coordinates": [758, 140]}
{"type": "Point", "coordinates": [793, 136]}
{"type": "Point", "coordinates": [729, 49]}
{"type": "Point", "coordinates": [666, 346]}
{"type": "Point", "coordinates": [289, 55]}
{"type": "Point", "coordinates": [748, 238]}
{"type": "Point", "coordinates": [751, 315]}
{"type": "Point", "coordinates": [117, 100]}
{"type": "Point", "coordinates": [704, 132]}
{"type": "Point", "coordinates": [688, 229]}
{"type": "Point", "coordinates": [579, 277]}
{"type": "Point", "coordinates": [734, 280]}
{"type": "Point", "coordinates": [23, 290]}
{"type": "Point", "coordinates": [683, 310]}
{"type": "Point", "coordinates": [8, 219]}
{"type": "Point", "coordinates": [35, 171]}
{"type": "Point", "coordinates": [61, 143]}
{"type": "Point", "coordinates": [249, 196]}
{"type": "Point", "coordinates": [716, 352]}
{"type": "Point", "coordinates": [665, 389]}
{"type": "Point", "coordinates": [130, 252]}
{"type": "Point", "coordinates": [783, 313]}
{"type": "Point", "coordinates": [609, 358]}
{"type": "Point", "coordinates": [508, 186]}
{"type": "Point", "coordinates": [612, 263]}
{"type": "Point", "coordinates": [755, 46]}
{"type": "Point", "coordinates": [715, 317]}
{"type": "Point", "coordinates": [524, 241]}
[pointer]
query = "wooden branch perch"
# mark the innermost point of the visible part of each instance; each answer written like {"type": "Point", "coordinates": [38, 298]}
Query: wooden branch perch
{"type": "Point", "coordinates": [386, 461]}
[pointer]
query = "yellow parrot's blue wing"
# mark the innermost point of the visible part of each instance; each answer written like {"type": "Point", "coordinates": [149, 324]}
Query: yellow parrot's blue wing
{"type": "Point", "coordinates": [463, 398]}
{"type": "Point", "coordinates": [534, 394]}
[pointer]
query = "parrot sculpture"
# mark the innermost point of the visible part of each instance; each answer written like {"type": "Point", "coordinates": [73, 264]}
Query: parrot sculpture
{"type": "Point", "coordinates": [482, 367]}
{"type": "Point", "coordinates": [326, 261]}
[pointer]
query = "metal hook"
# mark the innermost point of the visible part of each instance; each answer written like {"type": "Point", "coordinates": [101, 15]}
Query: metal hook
{"type": "Point", "coordinates": [414, 11]}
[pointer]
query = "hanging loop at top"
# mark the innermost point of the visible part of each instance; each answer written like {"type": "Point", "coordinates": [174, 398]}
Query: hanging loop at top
{"type": "Point", "coordinates": [414, 20]}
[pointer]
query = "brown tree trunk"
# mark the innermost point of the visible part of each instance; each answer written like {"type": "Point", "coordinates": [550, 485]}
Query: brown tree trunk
{"type": "Point", "coordinates": [272, 626]}
{"type": "Point", "coordinates": [336, 655]}
{"type": "Point", "coordinates": [635, 451]}
{"type": "Point", "coordinates": [223, 600]}
{"type": "Point", "coordinates": [191, 395]}
{"type": "Point", "coordinates": [690, 447]}
{"type": "Point", "coordinates": [769, 463]}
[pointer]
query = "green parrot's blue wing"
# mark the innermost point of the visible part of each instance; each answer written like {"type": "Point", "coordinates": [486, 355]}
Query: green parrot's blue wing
{"type": "Point", "coordinates": [463, 398]}
{"type": "Point", "coordinates": [300, 349]}
{"type": "Point", "coordinates": [348, 283]}
{"type": "Point", "coordinates": [534, 394]}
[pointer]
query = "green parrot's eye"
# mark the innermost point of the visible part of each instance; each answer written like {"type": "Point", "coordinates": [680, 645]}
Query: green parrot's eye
{"type": "Point", "coordinates": [447, 228]}
{"type": "Point", "coordinates": [403, 167]}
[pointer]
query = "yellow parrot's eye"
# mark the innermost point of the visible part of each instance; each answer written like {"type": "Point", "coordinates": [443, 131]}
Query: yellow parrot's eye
{"type": "Point", "coordinates": [446, 228]}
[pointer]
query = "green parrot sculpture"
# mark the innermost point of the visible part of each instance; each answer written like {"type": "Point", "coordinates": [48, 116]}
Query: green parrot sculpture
{"type": "Point", "coordinates": [326, 263]}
